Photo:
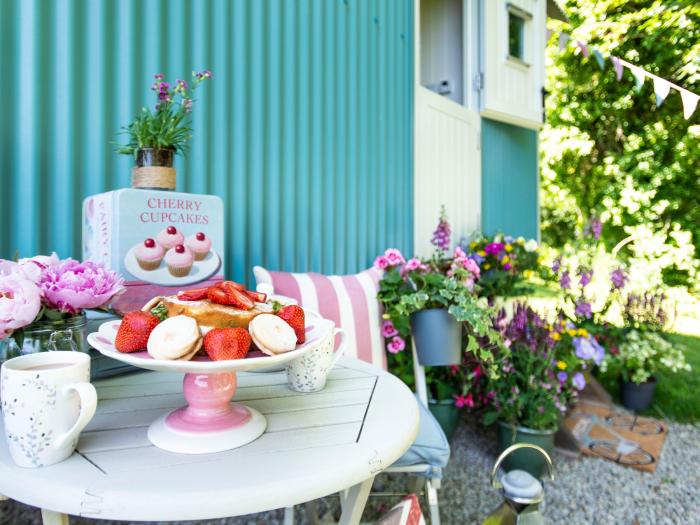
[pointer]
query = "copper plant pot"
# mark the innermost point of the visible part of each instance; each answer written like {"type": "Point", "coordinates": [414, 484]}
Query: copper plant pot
{"type": "Point", "coordinates": [154, 169]}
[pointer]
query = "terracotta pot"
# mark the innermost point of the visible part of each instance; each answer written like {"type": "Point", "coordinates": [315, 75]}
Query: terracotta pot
{"type": "Point", "coordinates": [154, 169]}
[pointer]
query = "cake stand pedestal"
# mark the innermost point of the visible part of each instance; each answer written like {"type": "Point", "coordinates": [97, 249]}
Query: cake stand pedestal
{"type": "Point", "coordinates": [210, 422]}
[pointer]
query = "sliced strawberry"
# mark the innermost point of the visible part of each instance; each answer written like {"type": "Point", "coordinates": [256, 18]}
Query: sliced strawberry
{"type": "Point", "coordinates": [258, 297]}
{"type": "Point", "coordinates": [134, 330]}
{"type": "Point", "coordinates": [218, 296]}
{"type": "Point", "coordinates": [293, 315]}
{"type": "Point", "coordinates": [227, 343]}
{"type": "Point", "coordinates": [227, 285]}
{"type": "Point", "coordinates": [241, 300]}
{"type": "Point", "coordinates": [196, 294]}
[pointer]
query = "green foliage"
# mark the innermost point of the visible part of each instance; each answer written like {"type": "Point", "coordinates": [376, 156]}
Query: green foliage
{"type": "Point", "coordinates": [168, 126]}
{"type": "Point", "coordinates": [607, 150]}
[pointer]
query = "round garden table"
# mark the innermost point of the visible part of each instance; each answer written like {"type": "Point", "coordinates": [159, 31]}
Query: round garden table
{"type": "Point", "coordinates": [315, 445]}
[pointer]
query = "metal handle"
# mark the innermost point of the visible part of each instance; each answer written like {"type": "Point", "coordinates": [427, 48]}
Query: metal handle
{"type": "Point", "coordinates": [497, 484]}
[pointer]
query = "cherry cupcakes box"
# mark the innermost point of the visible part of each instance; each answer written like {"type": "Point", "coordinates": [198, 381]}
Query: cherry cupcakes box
{"type": "Point", "coordinates": [161, 242]}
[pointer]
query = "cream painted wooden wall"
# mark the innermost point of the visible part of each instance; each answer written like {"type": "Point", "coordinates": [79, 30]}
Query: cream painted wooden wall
{"type": "Point", "coordinates": [512, 90]}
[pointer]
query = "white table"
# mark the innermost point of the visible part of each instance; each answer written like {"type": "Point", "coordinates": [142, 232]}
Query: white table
{"type": "Point", "coordinates": [315, 445]}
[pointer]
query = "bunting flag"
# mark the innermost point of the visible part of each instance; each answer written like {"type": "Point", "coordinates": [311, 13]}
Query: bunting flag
{"type": "Point", "coordinates": [662, 87]}
{"type": "Point", "coordinates": [617, 64]}
{"type": "Point", "coordinates": [690, 102]}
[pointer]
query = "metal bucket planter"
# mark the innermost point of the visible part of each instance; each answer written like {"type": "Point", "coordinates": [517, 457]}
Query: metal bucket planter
{"type": "Point", "coordinates": [438, 337]}
{"type": "Point", "coordinates": [525, 459]}
{"type": "Point", "coordinates": [637, 397]}
{"type": "Point", "coordinates": [446, 413]}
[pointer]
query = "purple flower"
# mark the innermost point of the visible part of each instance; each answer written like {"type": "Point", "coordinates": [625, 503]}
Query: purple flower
{"type": "Point", "coordinates": [396, 345]}
{"type": "Point", "coordinates": [540, 409]}
{"type": "Point", "coordinates": [562, 376]}
{"type": "Point", "coordinates": [441, 235]}
{"type": "Point", "coordinates": [585, 276]}
{"type": "Point", "coordinates": [556, 265]}
{"type": "Point", "coordinates": [494, 248]}
{"type": "Point", "coordinates": [159, 76]}
{"type": "Point", "coordinates": [588, 348]}
{"type": "Point", "coordinates": [594, 227]}
{"type": "Point", "coordinates": [578, 381]}
{"type": "Point", "coordinates": [583, 309]}
{"type": "Point", "coordinates": [618, 278]}
{"type": "Point", "coordinates": [388, 329]}
{"type": "Point", "coordinates": [506, 266]}
{"type": "Point", "coordinates": [70, 286]}
{"type": "Point", "coordinates": [203, 74]}
{"type": "Point", "coordinates": [478, 259]}
{"type": "Point", "coordinates": [565, 280]}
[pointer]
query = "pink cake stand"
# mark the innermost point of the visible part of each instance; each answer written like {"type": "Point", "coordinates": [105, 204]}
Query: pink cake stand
{"type": "Point", "coordinates": [209, 422]}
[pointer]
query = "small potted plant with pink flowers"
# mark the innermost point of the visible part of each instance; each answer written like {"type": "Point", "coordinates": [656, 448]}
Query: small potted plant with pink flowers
{"type": "Point", "coordinates": [43, 301]}
{"type": "Point", "coordinates": [156, 136]}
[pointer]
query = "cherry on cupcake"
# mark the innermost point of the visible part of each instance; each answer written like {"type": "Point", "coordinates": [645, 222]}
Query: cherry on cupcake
{"type": "Point", "coordinates": [200, 236]}
{"type": "Point", "coordinates": [149, 243]}
{"type": "Point", "coordinates": [179, 248]}
{"type": "Point", "coordinates": [171, 230]}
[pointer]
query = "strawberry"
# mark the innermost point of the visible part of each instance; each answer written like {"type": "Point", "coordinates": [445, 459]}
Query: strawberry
{"type": "Point", "coordinates": [231, 284]}
{"type": "Point", "coordinates": [195, 294]}
{"type": "Point", "coordinates": [293, 315]}
{"type": "Point", "coordinates": [227, 343]}
{"type": "Point", "coordinates": [229, 296]}
{"type": "Point", "coordinates": [258, 297]}
{"type": "Point", "coordinates": [134, 330]}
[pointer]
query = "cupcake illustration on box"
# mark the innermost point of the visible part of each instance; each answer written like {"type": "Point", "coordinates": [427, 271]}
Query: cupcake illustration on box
{"type": "Point", "coordinates": [162, 242]}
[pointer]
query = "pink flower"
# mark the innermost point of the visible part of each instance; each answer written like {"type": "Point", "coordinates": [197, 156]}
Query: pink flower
{"type": "Point", "coordinates": [478, 372]}
{"type": "Point", "coordinates": [394, 257]}
{"type": "Point", "coordinates": [396, 345]}
{"type": "Point", "coordinates": [20, 300]}
{"type": "Point", "coordinates": [381, 263]}
{"type": "Point", "coordinates": [459, 253]}
{"type": "Point", "coordinates": [70, 286]}
{"type": "Point", "coordinates": [412, 264]}
{"type": "Point", "coordinates": [454, 369]}
{"type": "Point", "coordinates": [464, 401]}
{"type": "Point", "coordinates": [388, 330]}
{"type": "Point", "coordinates": [473, 268]}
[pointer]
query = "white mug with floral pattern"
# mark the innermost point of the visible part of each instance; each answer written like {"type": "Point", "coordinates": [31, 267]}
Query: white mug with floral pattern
{"type": "Point", "coordinates": [309, 372]}
{"type": "Point", "coordinates": [47, 400]}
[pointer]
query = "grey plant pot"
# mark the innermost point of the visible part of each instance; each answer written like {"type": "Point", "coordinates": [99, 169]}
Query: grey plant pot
{"type": "Point", "coordinates": [438, 337]}
{"type": "Point", "coordinates": [637, 397]}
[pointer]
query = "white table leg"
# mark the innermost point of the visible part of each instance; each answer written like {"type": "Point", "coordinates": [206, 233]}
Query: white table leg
{"type": "Point", "coordinates": [289, 516]}
{"type": "Point", "coordinates": [49, 517]}
{"type": "Point", "coordinates": [355, 501]}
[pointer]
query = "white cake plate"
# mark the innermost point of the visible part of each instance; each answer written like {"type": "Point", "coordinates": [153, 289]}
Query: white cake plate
{"type": "Point", "coordinates": [209, 422]}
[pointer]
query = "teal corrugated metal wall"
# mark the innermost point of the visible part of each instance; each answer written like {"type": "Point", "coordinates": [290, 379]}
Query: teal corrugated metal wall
{"type": "Point", "coordinates": [509, 200]}
{"type": "Point", "coordinates": [305, 130]}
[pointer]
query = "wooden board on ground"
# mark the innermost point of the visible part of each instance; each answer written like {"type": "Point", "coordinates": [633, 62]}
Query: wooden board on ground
{"type": "Point", "coordinates": [606, 431]}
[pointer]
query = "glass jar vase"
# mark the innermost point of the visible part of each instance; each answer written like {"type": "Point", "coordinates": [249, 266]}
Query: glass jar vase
{"type": "Point", "coordinates": [45, 335]}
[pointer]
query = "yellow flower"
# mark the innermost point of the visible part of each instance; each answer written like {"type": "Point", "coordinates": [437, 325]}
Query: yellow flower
{"type": "Point", "coordinates": [528, 273]}
{"type": "Point", "coordinates": [509, 247]}
{"type": "Point", "coordinates": [472, 245]}
{"type": "Point", "coordinates": [540, 259]}
{"type": "Point", "coordinates": [561, 365]}
{"type": "Point", "coordinates": [505, 260]}
{"type": "Point", "coordinates": [487, 266]}
{"type": "Point", "coordinates": [482, 253]}
{"type": "Point", "coordinates": [555, 336]}
{"type": "Point", "coordinates": [572, 332]}
{"type": "Point", "coordinates": [582, 332]}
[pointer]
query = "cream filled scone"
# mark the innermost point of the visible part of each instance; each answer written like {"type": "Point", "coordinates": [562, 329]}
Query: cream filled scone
{"type": "Point", "coordinates": [271, 334]}
{"type": "Point", "coordinates": [200, 245]}
{"type": "Point", "coordinates": [169, 237]}
{"type": "Point", "coordinates": [175, 338]}
{"type": "Point", "coordinates": [149, 254]}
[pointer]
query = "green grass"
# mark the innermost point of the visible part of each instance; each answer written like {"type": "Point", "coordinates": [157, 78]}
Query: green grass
{"type": "Point", "coordinates": [676, 396]}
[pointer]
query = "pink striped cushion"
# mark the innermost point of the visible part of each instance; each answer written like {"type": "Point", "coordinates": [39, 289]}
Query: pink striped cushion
{"type": "Point", "coordinates": [348, 300]}
{"type": "Point", "coordinates": [405, 513]}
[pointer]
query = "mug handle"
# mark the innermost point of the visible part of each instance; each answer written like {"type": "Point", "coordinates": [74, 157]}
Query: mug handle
{"type": "Point", "coordinates": [343, 345]}
{"type": "Point", "coordinates": [88, 405]}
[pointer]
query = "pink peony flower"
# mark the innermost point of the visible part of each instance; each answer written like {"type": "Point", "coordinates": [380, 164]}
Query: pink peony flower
{"type": "Point", "coordinates": [394, 257]}
{"type": "Point", "coordinates": [381, 263]}
{"type": "Point", "coordinates": [71, 286]}
{"type": "Point", "coordinates": [396, 345]}
{"type": "Point", "coordinates": [20, 300]}
{"type": "Point", "coordinates": [412, 264]}
{"type": "Point", "coordinates": [388, 330]}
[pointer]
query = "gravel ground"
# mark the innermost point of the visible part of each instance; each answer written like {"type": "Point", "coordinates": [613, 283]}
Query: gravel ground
{"type": "Point", "coordinates": [586, 490]}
